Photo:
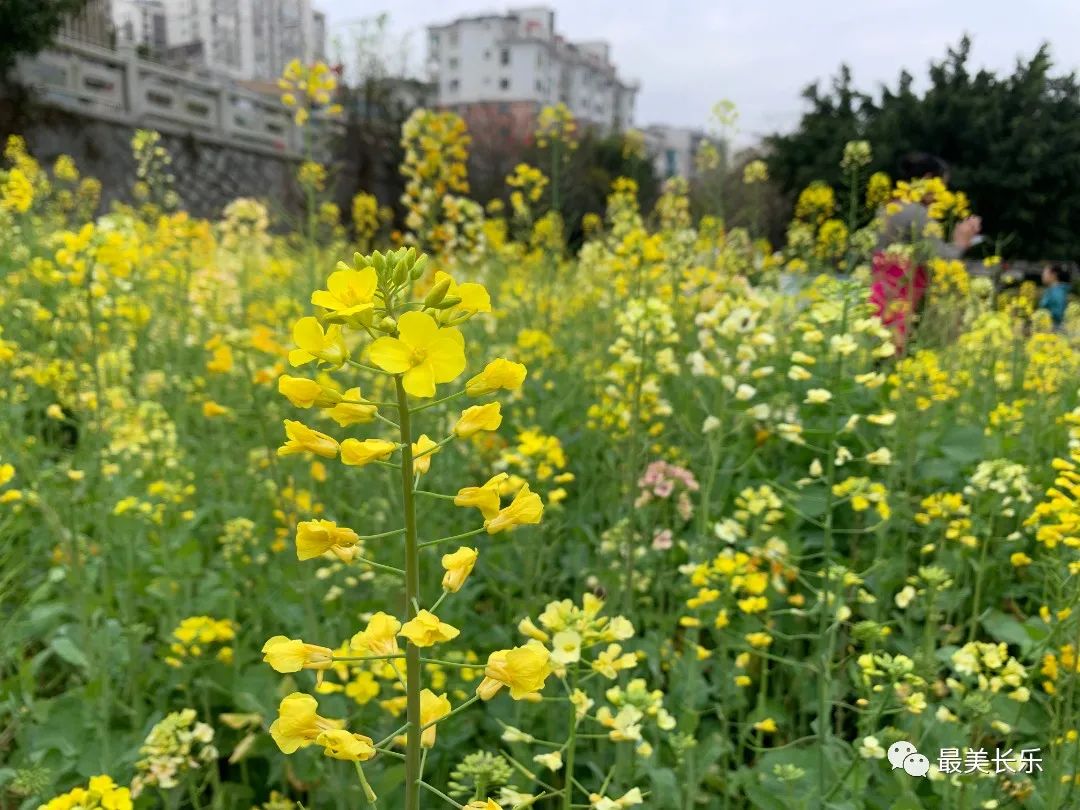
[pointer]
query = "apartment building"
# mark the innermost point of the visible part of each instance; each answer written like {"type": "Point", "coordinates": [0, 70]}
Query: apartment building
{"type": "Point", "coordinates": [500, 70]}
{"type": "Point", "coordinates": [244, 39]}
{"type": "Point", "coordinates": [673, 149]}
{"type": "Point", "coordinates": [91, 24]}
{"type": "Point", "coordinates": [141, 24]}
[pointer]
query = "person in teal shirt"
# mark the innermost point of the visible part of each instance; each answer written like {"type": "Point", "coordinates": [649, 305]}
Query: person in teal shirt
{"type": "Point", "coordinates": [1056, 295]}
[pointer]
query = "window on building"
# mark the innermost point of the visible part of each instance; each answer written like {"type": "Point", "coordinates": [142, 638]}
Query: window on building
{"type": "Point", "coordinates": [539, 86]}
{"type": "Point", "coordinates": [453, 62]}
{"type": "Point", "coordinates": [504, 108]}
{"type": "Point", "coordinates": [453, 39]}
{"type": "Point", "coordinates": [487, 54]}
{"type": "Point", "coordinates": [504, 84]}
{"type": "Point", "coordinates": [453, 86]}
{"type": "Point", "coordinates": [504, 56]}
{"type": "Point", "coordinates": [670, 163]}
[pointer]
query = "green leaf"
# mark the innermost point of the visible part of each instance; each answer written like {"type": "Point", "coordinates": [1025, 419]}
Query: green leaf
{"type": "Point", "coordinates": [1003, 627]}
{"type": "Point", "coordinates": [67, 650]}
{"type": "Point", "coordinates": [666, 790]}
{"type": "Point", "coordinates": [812, 501]}
{"type": "Point", "coordinates": [938, 469]}
{"type": "Point", "coordinates": [963, 444]}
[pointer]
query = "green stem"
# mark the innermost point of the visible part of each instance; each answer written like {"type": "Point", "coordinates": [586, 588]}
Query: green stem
{"type": "Point", "coordinates": [451, 538]}
{"type": "Point", "coordinates": [976, 602]}
{"type": "Point", "coordinates": [379, 566]}
{"type": "Point", "coordinates": [437, 792]}
{"type": "Point", "coordinates": [383, 534]}
{"type": "Point", "coordinates": [434, 494]}
{"type": "Point", "coordinates": [435, 402]}
{"type": "Point", "coordinates": [571, 746]}
{"type": "Point", "coordinates": [369, 794]}
{"type": "Point", "coordinates": [366, 367]}
{"type": "Point", "coordinates": [412, 597]}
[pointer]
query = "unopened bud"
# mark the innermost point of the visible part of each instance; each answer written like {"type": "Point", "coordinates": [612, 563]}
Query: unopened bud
{"type": "Point", "coordinates": [378, 261]}
{"type": "Point", "coordinates": [327, 398]}
{"type": "Point", "coordinates": [388, 324]}
{"type": "Point", "coordinates": [418, 267]}
{"type": "Point", "coordinates": [455, 318]}
{"type": "Point", "coordinates": [437, 293]}
{"type": "Point", "coordinates": [401, 273]}
{"type": "Point", "coordinates": [448, 302]}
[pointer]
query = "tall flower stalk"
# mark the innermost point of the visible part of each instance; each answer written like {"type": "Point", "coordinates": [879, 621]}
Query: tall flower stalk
{"type": "Point", "coordinates": [413, 774]}
{"type": "Point", "coordinates": [415, 346]}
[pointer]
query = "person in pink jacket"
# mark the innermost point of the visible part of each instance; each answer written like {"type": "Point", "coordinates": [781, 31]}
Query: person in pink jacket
{"type": "Point", "coordinates": [897, 289]}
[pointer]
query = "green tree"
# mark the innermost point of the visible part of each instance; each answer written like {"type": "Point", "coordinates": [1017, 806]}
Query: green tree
{"type": "Point", "coordinates": [1012, 142]}
{"type": "Point", "coordinates": [27, 26]}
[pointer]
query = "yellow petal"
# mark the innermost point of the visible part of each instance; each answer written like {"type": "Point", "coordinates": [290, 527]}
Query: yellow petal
{"type": "Point", "coordinates": [391, 354]}
{"type": "Point", "coordinates": [420, 381]}
{"type": "Point", "coordinates": [417, 329]}
{"type": "Point", "coordinates": [446, 353]}
{"type": "Point", "coordinates": [308, 334]}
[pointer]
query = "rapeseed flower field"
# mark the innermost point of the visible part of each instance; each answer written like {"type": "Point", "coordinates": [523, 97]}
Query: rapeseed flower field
{"type": "Point", "coordinates": [460, 517]}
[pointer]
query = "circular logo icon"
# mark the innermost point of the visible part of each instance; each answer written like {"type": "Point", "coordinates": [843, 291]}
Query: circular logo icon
{"type": "Point", "coordinates": [898, 751]}
{"type": "Point", "coordinates": [916, 764]}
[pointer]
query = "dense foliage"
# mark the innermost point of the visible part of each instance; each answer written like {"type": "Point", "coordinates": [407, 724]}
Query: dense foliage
{"type": "Point", "coordinates": [27, 26]}
{"type": "Point", "coordinates": [1013, 142]}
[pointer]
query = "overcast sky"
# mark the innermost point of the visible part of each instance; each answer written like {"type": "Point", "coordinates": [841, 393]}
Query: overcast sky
{"type": "Point", "coordinates": [688, 54]}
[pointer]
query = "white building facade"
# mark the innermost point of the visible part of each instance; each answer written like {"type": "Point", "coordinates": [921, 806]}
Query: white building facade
{"type": "Point", "coordinates": [673, 149]}
{"type": "Point", "coordinates": [243, 39]}
{"type": "Point", "coordinates": [517, 63]}
{"type": "Point", "coordinates": [141, 24]}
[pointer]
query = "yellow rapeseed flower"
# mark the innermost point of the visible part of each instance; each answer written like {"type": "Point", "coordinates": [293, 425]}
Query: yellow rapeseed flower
{"type": "Point", "coordinates": [298, 725]}
{"type": "Point", "coordinates": [357, 453]}
{"type": "Point", "coordinates": [458, 566]}
{"type": "Point", "coordinates": [316, 537]}
{"type": "Point", "coordinates": [485, 498]}
{"type": "Point", "coordinates": [526, 508]}
{"type": "Point", "coordinates": [315, 343]}
{"type": "Point", "coordinates": [478, 418]}
{"type": "Point", "coordinates": [352, 410]}
{"type": "Point", "coordinates": [305, 393]}
{"type": "Point", "coordinates": [379, 637]}
{"type": "Point", "coordinates": [302, 439]}
{"type": "Point", "coordinates": [432, 708]}
{"type": "Point", "coordinates": [523, 670]}
{"type": "Point", "coordinates": [349, 293]}
{"type": "Point", "coordinates": [426, 629]}
{"type": "Point", "coordinates": [423, 352]}
{"type": "Point", "coordinates": [423, 449]}
{"type": "Point", "coordinates": [474, 297]}
{"type": "Point", "coordinates": [341, 744]}
{"type": "Point", "coordinates": [292, 655]}
{"type": "Point", "coordinates": [498, 374]}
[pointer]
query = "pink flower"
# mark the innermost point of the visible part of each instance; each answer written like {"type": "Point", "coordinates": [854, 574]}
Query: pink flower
{"type": "Point", "coordinates": [662, 540]}
{"type": "Point", "coordinates": [684, 506]}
